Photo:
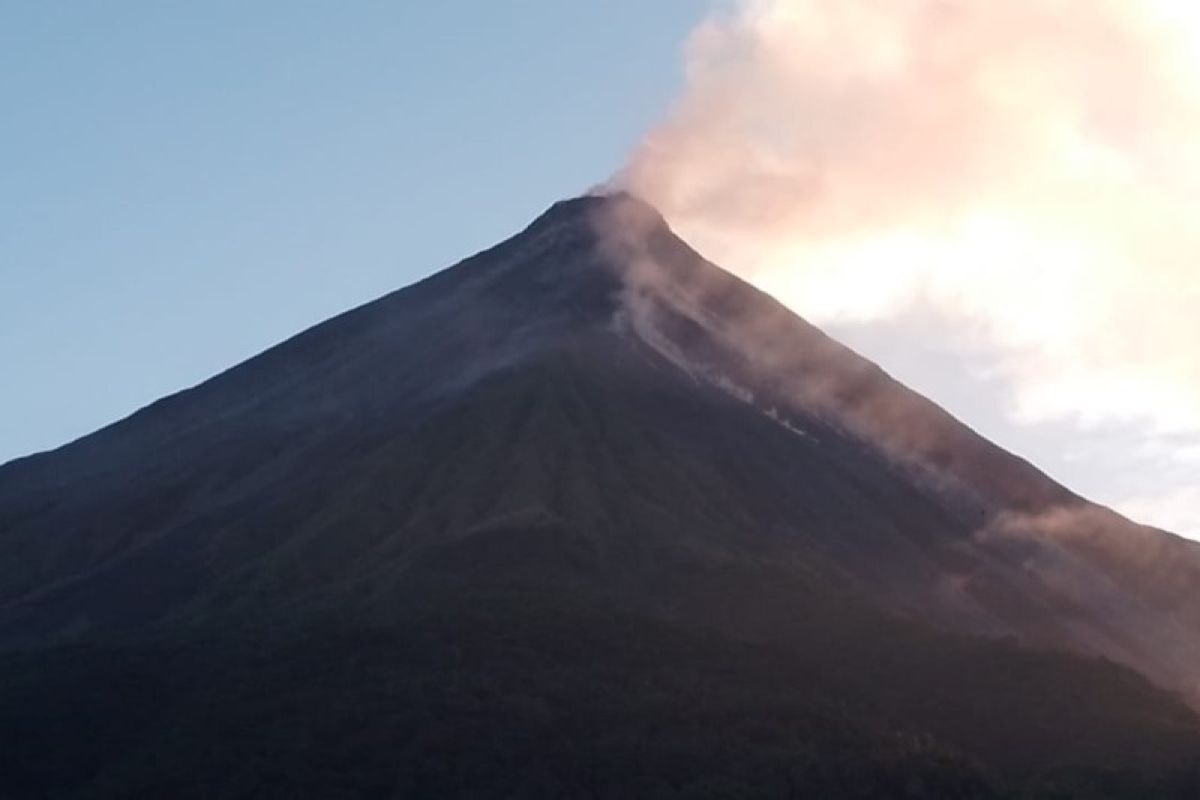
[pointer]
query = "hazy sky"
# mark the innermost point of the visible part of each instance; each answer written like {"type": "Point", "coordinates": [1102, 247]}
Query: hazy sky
{"type": "Point", "coordinates": [185, 184]}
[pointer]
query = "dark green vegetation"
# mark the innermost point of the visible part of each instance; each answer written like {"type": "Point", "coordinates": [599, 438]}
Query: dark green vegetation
{"type": "Point", "coordinates": [522, 530]}
{"type": "Point", "coordinates": [521, 693]}
{"type": "Point", "coordinates": [510, 691]}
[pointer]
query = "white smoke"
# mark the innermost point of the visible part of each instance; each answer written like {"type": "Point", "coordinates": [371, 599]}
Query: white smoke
{"type": "Point", "coordinates": [1027, 168]}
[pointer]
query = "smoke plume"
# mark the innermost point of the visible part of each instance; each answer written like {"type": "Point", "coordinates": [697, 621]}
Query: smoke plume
{"type": "Point", "coordinates": [1027, 169]}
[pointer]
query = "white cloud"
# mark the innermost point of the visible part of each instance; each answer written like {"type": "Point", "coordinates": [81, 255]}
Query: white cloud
{"type": "Point", "coordinates": [1177, 509]}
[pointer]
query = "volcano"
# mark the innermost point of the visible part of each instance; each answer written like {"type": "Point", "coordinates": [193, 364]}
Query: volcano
{"type": "Point", "coordinates": [581, 516]}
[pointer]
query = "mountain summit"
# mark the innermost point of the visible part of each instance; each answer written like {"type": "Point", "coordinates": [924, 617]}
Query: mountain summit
{"type": "Point", "coordinates": [583, 515]}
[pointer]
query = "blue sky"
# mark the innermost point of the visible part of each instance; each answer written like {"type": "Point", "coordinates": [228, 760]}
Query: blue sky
{"type": "Point", "coordinates": [185, 184]}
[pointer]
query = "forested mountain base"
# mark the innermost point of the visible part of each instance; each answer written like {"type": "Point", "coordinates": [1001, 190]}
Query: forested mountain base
{"type": "Point", "coordinates": [526, 693]}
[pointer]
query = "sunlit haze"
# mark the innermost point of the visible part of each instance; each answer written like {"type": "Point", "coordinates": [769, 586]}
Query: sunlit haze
{"type": "Point", "coordinates": [1006, 188]}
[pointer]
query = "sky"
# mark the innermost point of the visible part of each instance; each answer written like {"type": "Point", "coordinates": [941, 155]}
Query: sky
{"type": "Point", "coordinates": [183, 185]}
{"type": "Point", "coordinates": [977, 196]}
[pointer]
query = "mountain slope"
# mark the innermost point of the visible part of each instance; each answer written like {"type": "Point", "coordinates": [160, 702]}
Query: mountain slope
{"type": "Point", "coordinates": [585, 455]}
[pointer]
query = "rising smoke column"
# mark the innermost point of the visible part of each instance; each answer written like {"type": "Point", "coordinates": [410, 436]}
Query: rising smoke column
{"type": "Point", "coordinates": [1028, 169]}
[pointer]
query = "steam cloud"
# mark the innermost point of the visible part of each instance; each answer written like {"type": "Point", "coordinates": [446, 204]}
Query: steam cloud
{"type": "Point", "coordinates": [1026, 169]}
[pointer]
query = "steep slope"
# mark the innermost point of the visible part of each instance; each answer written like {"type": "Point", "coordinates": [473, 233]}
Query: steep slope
{"type": "Point", "coordinates": [584, 455]}
{"type": "Point", "coordinates": [1106, 585]}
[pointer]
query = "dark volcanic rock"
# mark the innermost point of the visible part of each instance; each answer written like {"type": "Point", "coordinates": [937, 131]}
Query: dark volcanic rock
{"type": "Point", "coordinates": [583, 515]}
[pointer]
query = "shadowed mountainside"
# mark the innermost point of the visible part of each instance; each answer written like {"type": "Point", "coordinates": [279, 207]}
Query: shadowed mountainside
{"type": "Point", "coordinates": [583, 515]}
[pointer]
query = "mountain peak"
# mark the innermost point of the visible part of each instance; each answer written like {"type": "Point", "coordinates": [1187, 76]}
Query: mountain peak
{"type": "Point", "coordinates": [573, 264]}
{"type": "Point", "coordinates": [619, 229]}
{"type": "Point", "coordinates": [580, 455]}
{"type": "Point", "coordinates": [602, 208]}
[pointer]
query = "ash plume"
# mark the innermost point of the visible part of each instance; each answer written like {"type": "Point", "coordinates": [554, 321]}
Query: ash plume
{"type": "Point", "coordinates": [1027, 169]}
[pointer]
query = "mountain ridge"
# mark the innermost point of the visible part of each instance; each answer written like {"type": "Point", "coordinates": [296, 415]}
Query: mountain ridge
{"type": "Point", "coordinates": [589, 421]}
{"type": "Point", "coordinates": [631, 275]}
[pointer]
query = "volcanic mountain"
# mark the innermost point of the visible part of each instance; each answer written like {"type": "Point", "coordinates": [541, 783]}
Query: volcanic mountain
{"type": "Point", "coordinates": [583, 515]}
